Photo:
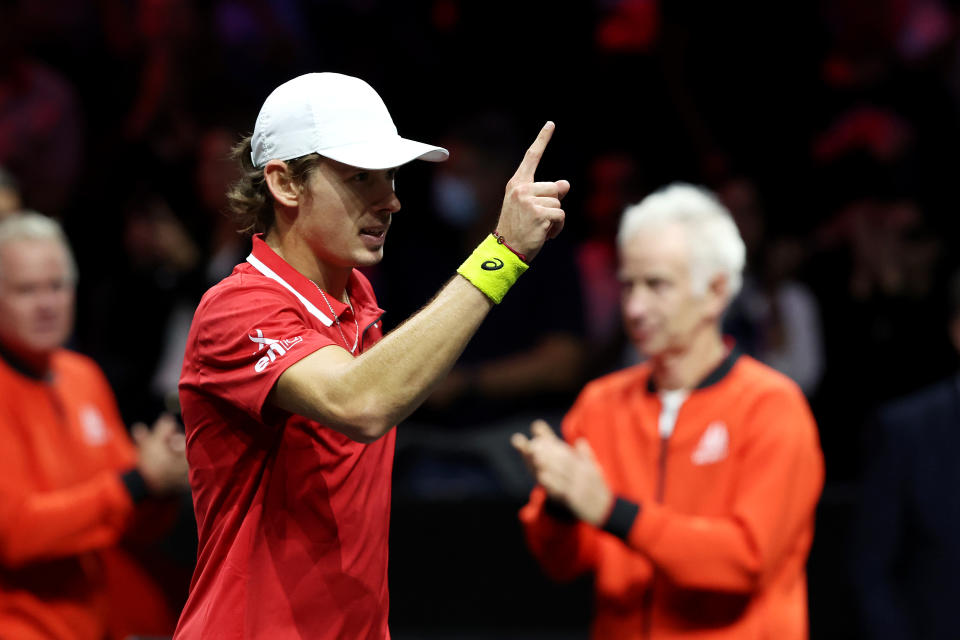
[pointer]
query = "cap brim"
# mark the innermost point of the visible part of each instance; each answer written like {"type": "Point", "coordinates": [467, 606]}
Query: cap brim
{"type": "Point", "coordinates": [385, 154]}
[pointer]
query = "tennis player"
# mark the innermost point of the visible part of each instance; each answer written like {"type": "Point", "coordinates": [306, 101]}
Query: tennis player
{"type": "Point", "coordinates": [289, 395]}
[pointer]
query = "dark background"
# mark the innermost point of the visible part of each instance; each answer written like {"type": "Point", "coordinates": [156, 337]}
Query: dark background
{"type": "Point", "coordinates": [842, 114]}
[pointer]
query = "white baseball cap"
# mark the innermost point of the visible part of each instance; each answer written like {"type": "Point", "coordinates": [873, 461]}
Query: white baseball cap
{"type": "Point", "coordinates": [341, 118]}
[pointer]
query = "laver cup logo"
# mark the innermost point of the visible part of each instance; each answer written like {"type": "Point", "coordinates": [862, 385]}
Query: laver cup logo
{"type": "Point", "coordinates": [492, 264]}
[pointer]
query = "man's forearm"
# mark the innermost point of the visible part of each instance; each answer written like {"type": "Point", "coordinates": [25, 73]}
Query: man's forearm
{"type": "Point", "coordinates": [365, 396]}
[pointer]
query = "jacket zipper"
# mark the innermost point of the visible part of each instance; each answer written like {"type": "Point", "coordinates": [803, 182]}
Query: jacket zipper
{"type": "Point", "coordinates": [660, 488]}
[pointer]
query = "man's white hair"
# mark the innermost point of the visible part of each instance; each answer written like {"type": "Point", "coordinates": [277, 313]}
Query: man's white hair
{"type": "Point", "coordinates": [715, 243]}
{"type": "Point", "coordinates": [30, 225]}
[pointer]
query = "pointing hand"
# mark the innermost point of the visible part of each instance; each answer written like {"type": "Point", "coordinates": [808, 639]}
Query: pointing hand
{"type": "Point", "coordinates": [531, 212]}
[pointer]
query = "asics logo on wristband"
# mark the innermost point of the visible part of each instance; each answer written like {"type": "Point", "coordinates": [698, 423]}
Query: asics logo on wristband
{"type": "Point", "coordinates": [492, 265]}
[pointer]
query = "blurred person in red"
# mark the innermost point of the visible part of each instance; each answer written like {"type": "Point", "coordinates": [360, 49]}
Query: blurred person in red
{"type": "Point", "coordinates": [687, 483]}
{"type": "Point", "coordinates": [72, 480]}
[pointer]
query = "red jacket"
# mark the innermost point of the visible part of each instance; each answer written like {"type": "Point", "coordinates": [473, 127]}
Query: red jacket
{"type": "Point", "coordinates": [64, 507]}
{"type": "Point", "coordinates": [724, 507]}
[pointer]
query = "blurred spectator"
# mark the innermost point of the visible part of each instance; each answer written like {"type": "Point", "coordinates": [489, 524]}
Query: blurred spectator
{"type": "Point", "coordinates": [41, 129]}
{"type": "Point", "coordinates": [687, 484]}
{"type": "Point", "coordinates": [214, 172]}
{"type": "Point", "coordinates": [775, 318]}
{"type": "Point", "coordinates": [874, 131]}
{"type": "Point", "coordinates": [75, 495]}
{"type": "Point", "coordinates": [905, 556]}
{"type": "Point", "coordinates": [10, 201]}
{"type": "Point", "coordinates": [614, 182]}
{"type": "Point", "coordinates": [510, 368]}
{"type": "Point", "coordinates": [501, 370]}
{"type": "Point", "coordinates": [869, 37]}
{"type": "Point", "coordinates": [160, 265]}
{"type": "Point", "coordinates": [177, 241]}
{"type": "Point", "coordinates": [260, 39]}
{"type": "Point", "coordinates": [627, 26]}
{"type": "Point", "coordinates": [161, 111]}
{"type": "Point", "coordinates": [877, 266]}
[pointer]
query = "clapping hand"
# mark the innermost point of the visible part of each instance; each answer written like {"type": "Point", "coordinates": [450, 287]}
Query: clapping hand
{"type": "Point", "coordinates": [569, 474]}
{"type": "Point", "coordinates": [162, 455]}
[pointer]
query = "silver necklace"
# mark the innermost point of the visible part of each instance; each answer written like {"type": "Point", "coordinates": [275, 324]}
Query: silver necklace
{"type": "Point", "coordinates": [356, 340]}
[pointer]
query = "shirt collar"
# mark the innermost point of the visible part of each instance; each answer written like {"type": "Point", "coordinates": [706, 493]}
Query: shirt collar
{"type": "Point", "coordinates": [318, 303]}
{"type": "Point", "coordinates": [361, 305]}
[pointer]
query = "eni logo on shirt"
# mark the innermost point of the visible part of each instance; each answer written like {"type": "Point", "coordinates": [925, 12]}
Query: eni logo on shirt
{"type": "Point", "coordinates": [275, 348]}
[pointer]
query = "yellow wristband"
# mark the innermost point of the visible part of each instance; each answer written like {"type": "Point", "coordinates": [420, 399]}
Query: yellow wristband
{"type": "Point", "coordinates": [492, 268]}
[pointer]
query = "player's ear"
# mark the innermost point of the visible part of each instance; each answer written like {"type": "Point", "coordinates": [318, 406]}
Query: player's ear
{"type": "Point", "coordinates": [283, 188]}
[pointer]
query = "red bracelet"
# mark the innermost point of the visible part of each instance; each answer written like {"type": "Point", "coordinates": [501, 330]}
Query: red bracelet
{"type": "Point", "coordinates": [501, 240]}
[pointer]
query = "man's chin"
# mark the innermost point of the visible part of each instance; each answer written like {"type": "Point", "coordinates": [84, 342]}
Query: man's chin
{"type": "Point", "coordinates": [45, 346]}
{"type": "Point", "coordinates": [648, 348]}
{"type": "Point", "coordinates": [370, 258]}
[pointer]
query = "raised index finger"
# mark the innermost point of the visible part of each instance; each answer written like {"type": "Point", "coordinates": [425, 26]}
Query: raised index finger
{"type": "Point", "coordinates": [528, 166]}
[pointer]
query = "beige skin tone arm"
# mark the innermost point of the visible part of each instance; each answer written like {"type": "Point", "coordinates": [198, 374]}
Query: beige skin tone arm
{"type": "Point", "coordinates": [161, 458]}
{"type": "Point", "coordinates": [569, 474]}
{"type": "Point", "coordinates": [364, 397]}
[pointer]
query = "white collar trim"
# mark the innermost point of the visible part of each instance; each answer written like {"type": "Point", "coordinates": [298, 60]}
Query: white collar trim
{"type": "Point", "coordinates": [270, 273]}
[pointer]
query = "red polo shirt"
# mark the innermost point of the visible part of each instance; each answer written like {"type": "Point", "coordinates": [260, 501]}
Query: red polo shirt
{"type": "Point", "coordinates": [293, 516]}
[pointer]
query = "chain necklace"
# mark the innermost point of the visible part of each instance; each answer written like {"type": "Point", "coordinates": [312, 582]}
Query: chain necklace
{"type": "Point", "coordinates": [356, 340]}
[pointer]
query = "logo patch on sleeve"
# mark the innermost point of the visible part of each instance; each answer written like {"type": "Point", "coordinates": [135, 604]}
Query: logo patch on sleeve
{"type": "Point", "coordinates": [276, 348]}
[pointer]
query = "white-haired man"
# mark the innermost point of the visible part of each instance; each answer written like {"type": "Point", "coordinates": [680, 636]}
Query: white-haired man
{"type": "Point", "coordinates": [688, 483]}
{"type": "Point", "coordinates": [71, 476]}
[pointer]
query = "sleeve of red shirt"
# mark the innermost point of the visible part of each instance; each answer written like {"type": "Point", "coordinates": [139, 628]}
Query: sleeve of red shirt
{"type": "Point", "coordinates": [227, 343]}
{"type": "Point", "coordinates": [41, 525]}
{"type": "Point", "coordinates": [780, 483]}
{"type": "Point", "coordinates": [564, 548]}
